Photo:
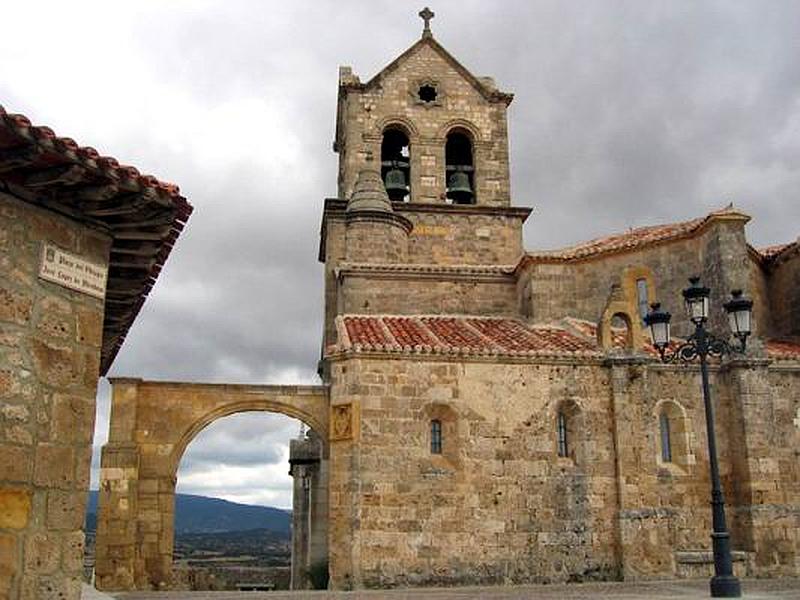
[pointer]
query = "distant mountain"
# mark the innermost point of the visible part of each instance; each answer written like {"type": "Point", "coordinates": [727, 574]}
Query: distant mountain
{"type": "Point", "coordinates": [198, 514]}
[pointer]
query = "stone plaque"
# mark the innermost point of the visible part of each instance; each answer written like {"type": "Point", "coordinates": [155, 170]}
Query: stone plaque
{"type": "Point", "coordinates": [73, 272]}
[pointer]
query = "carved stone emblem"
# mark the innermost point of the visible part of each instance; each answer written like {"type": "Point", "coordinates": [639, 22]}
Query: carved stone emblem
{"type": "Point", "coordinates": [342, 422]}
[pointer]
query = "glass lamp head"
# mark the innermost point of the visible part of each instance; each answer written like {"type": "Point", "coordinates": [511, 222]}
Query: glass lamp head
{"type": "Point", "coordinates": [740, 311]}
{"type": "Point", "coordinates": [696, 299]}
{"type": "Point", "coordinates": [658, 322]}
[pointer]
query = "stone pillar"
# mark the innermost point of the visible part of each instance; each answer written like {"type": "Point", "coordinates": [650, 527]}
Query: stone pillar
{"type": "Point", "coordinates": [115, 542]}
{"type": "Point", "coordinates": [50, 340]}
{"type": "Point", "coordinates": [300, 523]}
{"type": "Point", "coordinates": [117, 511]}
{"type": "Point", "coordinates": [304, 467]}
{"type": "Point", "coordinates": [624, 459]}
{"type": "Point", "coordinates": [766, 519]}
{"type": "Point", "coordinates": [318, 535]}
{"type": "Point", "coordinates": [155, 531]}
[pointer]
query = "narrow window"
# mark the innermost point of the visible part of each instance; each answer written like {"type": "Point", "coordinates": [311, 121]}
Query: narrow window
{"type": "Point", "coordinates": [641, 296]}
{"type": "Point", "coordinates": [561, 424]}
{"type": "Point", "coordinates": [436, 436]}
{"type": "Point", "coordinates": [396, 165]}
{"type": "Point", "coordinates": [666, 442]}
{"type": "Point", "coordinates": [459, 169]}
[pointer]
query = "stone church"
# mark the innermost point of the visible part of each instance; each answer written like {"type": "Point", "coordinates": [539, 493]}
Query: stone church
{"type": "Point", "coordinates": [497, 414]}
{"type": "Point", "coordinates": [487, 414]}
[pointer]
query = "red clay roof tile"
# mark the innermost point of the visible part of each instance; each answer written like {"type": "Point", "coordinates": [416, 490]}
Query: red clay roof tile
{"type": "Point", "coordinates": [632, 239]}
{"type": "Point", "coordinates": [457, 335]}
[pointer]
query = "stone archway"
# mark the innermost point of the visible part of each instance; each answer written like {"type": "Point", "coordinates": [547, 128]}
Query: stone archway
{"type": "Point", "coordinates": [151, 425]}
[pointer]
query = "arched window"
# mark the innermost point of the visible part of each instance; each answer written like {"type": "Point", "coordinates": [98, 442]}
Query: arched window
{"type": "Point", "coordinates": [642, 297]}
{"type": "Point", "coordinates": [436, 436]}
{"type": "Point", "coordinates": [396, 164]}
{"type": "Point", "coordinates": [563, 436]}
{"type": "Point", "coordinates": [673, 440]}
{"type": "Point", "coordinates": [459, 168]}
{"type": "Point", "coordinates": [568, 429]}
{"type": "Point", "coordinates": [666, 440]}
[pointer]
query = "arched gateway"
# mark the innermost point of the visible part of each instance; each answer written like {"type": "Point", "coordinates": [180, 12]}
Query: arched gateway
{"type": "Point", "coordinates": [152, 423]}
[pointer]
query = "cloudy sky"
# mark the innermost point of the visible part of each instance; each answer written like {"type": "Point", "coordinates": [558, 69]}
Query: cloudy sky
{"type": "Point", "coordinates": [626, 114]}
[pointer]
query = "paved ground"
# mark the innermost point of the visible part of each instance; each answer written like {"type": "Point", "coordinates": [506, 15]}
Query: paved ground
{"type": "Point", "coordinates": [667, 590]}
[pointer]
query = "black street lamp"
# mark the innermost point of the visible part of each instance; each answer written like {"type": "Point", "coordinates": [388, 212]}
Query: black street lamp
{"type": "Point", "coordinates": [700, 345]}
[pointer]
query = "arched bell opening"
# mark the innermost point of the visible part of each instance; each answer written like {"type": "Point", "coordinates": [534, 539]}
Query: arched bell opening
{"type": "Point", "coordinates": [459, 168]}
{"type": "Point", "coordinates": [396, 164]}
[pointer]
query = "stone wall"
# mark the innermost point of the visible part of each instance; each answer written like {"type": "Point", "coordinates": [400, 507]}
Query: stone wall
{"type": "Point", "coordinates": [497, 505]}
{"type": "Point", "coordinates": [769, 511]}
{"type": "Point", "coordinates": [373, 240]}
{"type": "Point", "coordinates": [500, 506]}
{"type": "Point", "coordinates": [758, 288]}
{"type": "Point", "coordinates": [551, 290]}
{"type": "Point", "coordinates": [459, 235]}
{"type": "Point", "coordinates": [49, 362]}
{"type": "Point", "coordinates": [784, 294]}
{"type": "Point", "coordinates": [421, 294]}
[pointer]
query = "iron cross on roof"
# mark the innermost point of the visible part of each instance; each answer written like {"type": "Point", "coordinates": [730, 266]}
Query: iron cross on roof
{"type": "Point", "coordinates": [427, 14]}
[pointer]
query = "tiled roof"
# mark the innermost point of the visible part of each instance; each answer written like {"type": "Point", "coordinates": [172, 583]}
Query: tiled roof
{"type": "Point", "coordinates": [492, 336]}
{"type": "Point", "coordinates": [772, 254]}
{"type": "Point", "coordinates": [783, 350]}
{"type": "Point", "coordinates": [769, 252]}
{"type": "Point", "coordinates": [633, 239]}
{"type": "Point", "coordinates": [143, 215]}
{"type": "Point", "coordinates": [456, 335]}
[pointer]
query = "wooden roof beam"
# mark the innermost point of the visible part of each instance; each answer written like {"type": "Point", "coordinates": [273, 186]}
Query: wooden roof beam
{"type": "Point", "coordinates": [18, 157]}
{"type": "Point", "coordinates": [63, 174]}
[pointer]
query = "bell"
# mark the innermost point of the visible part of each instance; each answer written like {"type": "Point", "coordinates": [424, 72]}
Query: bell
{"type": "Point", "coordinates": [459, 189]}
{"type": "Point", "coordinates": [395, 183]}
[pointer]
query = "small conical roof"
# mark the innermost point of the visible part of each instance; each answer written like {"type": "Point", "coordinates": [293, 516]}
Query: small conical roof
{"type": "Point", "coordinates": [369, 194]}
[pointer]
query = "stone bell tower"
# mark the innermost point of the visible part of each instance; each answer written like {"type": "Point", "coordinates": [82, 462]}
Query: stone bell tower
{"type": "Point", "coordinates": [423, 191]}
{"type": "Point", "coordinates": [438, 132]}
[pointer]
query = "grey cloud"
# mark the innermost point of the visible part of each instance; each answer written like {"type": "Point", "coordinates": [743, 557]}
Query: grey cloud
{"type": "Point", "coordinates": [626, 113]}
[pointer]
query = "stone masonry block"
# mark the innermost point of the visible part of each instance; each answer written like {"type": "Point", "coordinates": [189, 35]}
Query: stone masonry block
{"type": "Point", "coordinates": [42, 553]}
{"type": "Point", "coordinates": [72, 419]}
{"type": "Point", "coordinates": [65, 510]}
{"type": "Point", "coordinates": [9, 566]}
{"type": "Point", "coordinates": [15, 306]}
{"type": "Point", "coordinates": [15, 508]}
{"type": "Point", "coordinates": [54, 466]}
{"type": "Point", "coordinates": [15, 463]}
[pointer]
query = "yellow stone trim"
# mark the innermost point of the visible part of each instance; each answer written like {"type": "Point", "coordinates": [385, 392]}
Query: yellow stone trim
{"type": "Point", "coordinates": [623, 300]}
{"type": "Point", "coordinates": [15, 508]}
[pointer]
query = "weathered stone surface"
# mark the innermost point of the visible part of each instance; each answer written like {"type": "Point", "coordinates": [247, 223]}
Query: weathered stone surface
{"type": "Point", "coordinates": [15, 508]}
{"type": "Point", "coordinates": [15, 463]}
{"type": "Point", "coordinates": [49, 351]}
{"type": "Point", "coordinates": [8, 563]}
{"type": "Point", "coordinates": [42, 553]}
{"type": "Point", "coordinates": [15, 306]}
{"type": "Point", "coordinates": [54, 466]}
{"type": "Point", "coordinates": [64, 510]}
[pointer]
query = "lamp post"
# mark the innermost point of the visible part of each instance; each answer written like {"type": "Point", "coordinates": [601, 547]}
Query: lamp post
{"type": "Point", "coordinates": [700, 345]}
